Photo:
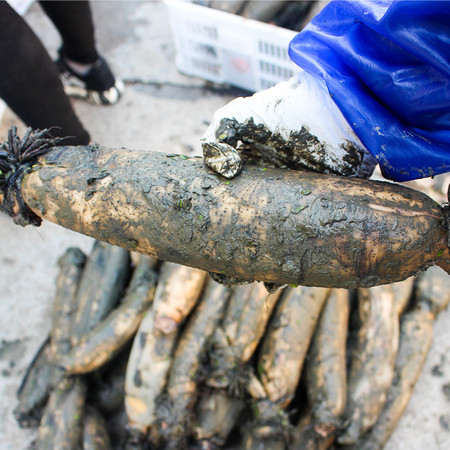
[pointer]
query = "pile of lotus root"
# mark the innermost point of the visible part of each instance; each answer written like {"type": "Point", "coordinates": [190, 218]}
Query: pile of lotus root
{"type": "Point", "coordinates": [150, 354]}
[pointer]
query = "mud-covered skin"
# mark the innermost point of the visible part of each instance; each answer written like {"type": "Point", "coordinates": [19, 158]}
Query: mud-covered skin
{"type": "Point", "coordinates": [325, 370]}
{"type": "Point", "coordinates": [35, 388]}
{"type": "Point", "coordinates": [230, 348]}
{"type": "Point", "coordinates": [270, 427]}
{"type": "Point", "coordinates": [307, 437]}
{"type": "Point", "coordinates": [286, 342]}
{"type": "Point", "coordinates": [178, 291]}
{"type": "Point", "coordinates": [279, 365]}
{"type": "Point", "coordinates": [95, 434]}
{"type": "Point", "coordinates": [101, 287]}
{"type": "Point", "coordinates": [110, 335]}
{"type": "Point", "coordinates": [62, 422]}
{"type": "Point", "coordinates": [301, 151]}
{"type": "Point", "coordinates": [277, 226]}
{"type": "Point", "coordinates": [416, 334]}
{"type": "Point", "coordinates": [246, 318]}
{"type": "Point", "coordinates": [402, 291]}
{"type": "Point", "coordinates": [181, 389]}
{"type": "Point", "coordinates": [371, 369]}
{"type": "Point", "coordinates": [71, 266]}
{"type": "Point", "coordinates": [215, 416]}
{"type": "Point", "coordinates": [446, 212]}
{"type": "Point", "coordinates": [235, 340]}
{"type": "Point", "coordinates": [106, 387]}
{"type": "Point", "coordinates": [227, 281]}
{"type": "Point", "coordinates": [433, 288]}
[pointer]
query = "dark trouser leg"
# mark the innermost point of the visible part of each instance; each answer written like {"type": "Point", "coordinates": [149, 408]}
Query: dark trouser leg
{"type": "Point", "coordinates": [73, 19]}
{"type": "Point", "coordinates": [29, 80]}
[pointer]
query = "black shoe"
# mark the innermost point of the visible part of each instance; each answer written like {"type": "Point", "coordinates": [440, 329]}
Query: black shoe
{"type": "Point", "coordinates": [98, 86]}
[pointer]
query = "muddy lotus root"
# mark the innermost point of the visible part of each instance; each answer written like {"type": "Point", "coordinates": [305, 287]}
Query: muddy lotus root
{"type": "Point", "coordinates": [273, 225]}
{"type": "Point", "coordinates": [150, 354]}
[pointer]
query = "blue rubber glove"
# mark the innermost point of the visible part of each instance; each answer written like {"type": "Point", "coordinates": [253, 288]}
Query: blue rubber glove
{"type": "Point", "coordinates": [386, 65]}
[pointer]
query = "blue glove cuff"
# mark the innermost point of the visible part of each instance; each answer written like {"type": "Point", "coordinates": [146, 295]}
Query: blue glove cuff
{"type": "Point", "coordinates": [387, 67]}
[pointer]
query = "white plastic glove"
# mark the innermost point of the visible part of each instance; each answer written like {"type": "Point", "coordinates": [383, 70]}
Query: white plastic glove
{"type": "Point", "coordinates": [294, 124]}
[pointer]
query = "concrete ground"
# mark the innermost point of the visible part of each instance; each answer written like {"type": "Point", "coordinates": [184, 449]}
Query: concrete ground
{"type": "Point", "coordinates": [166, 111]}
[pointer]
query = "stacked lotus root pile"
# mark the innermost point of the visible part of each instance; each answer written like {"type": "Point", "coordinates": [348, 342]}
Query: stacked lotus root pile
{"type": "Point", "coordinates": [144, 354]}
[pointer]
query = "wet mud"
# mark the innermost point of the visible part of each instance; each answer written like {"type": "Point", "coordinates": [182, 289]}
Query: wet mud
{"type": "Point", "coordinates": [301, 151]}
{"type": "Point", "coordinates": [326, 374]}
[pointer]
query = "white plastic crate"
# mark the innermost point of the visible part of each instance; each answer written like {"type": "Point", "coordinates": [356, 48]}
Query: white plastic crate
{"type": "Point", "coordinates": [225, 48]}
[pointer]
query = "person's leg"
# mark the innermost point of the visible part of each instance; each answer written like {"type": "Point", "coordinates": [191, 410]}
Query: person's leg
{"type": "Point", "coordinates": [29, 80]}
{"type": "Point", "coordinates": [84, 73]}
{"type": "Point", "coordinates": [73, 19]}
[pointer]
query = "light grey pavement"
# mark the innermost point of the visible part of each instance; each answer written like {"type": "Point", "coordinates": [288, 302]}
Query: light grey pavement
{"type": "Point", "coordinates": [166, 111]}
